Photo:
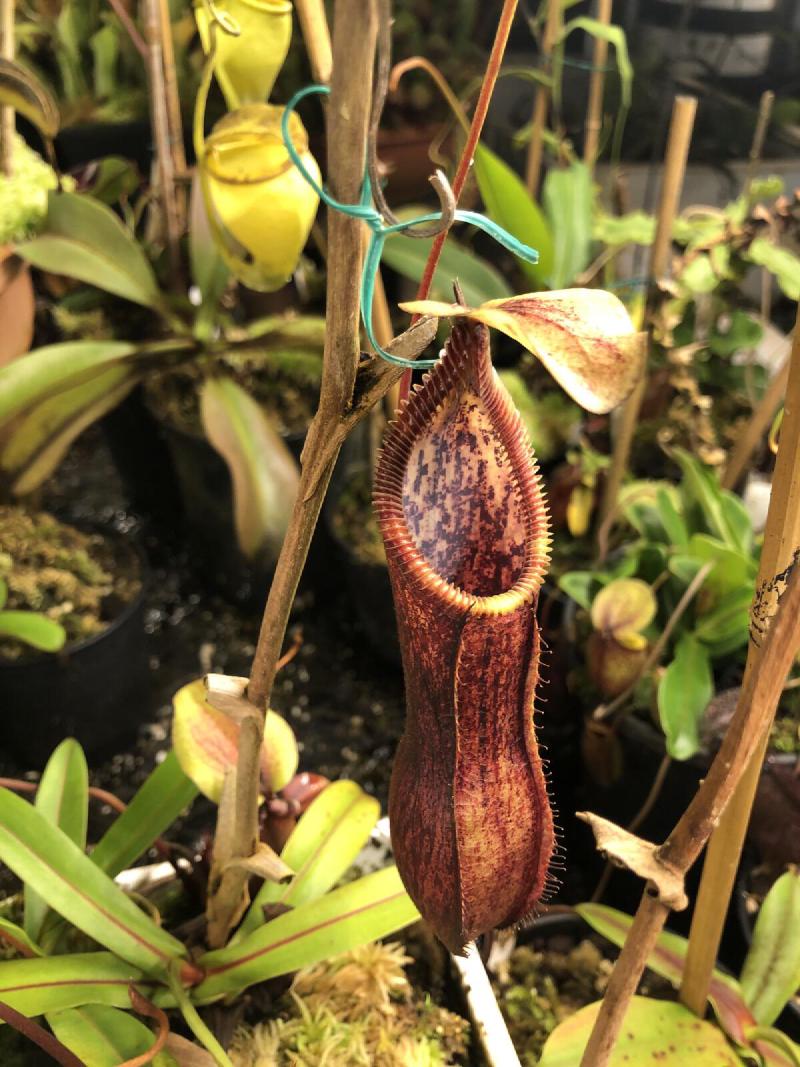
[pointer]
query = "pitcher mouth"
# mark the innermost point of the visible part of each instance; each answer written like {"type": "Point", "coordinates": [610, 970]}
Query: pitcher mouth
{"type": "Point", "coordinates": [415, 417]}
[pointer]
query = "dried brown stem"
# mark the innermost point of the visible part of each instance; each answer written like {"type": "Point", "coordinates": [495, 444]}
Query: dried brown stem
{"type": "Point", "coordinates": [159, 114]}
{"type": "Point", "coordinates": [765, 105]}
{"type": "Point", "coordinates": [781, 542]}
{"type": "Point", "coordinates": [760, 694]}
{"type": "Point", "coordinates": [143, 1006]}
{"type": "Point", "coordinates": [173, 100]}
{"type": "Point", "coordinates": [119, 9]}
{"type": "Point", "coordinates": [541, 101]}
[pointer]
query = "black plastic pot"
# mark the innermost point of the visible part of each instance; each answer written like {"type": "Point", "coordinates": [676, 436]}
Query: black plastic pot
{"type": "Point", "coordinates": [96, 691]}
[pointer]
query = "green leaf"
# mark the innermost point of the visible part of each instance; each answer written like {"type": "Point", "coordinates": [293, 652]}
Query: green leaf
{"type": "Point", "coordinates": [33, 629]}
{"type": "Point", "coordinates": [53, 866]}
{"type": "Point", "coordinates": [725, 629]}
{"type": "Point", "coordinates": [671, 519]}
{"type": "Point", "coordinates": [732, 571]}
{"type": "Point", "coordinates": [164, 795]}
{"type": "Point", "coordinates": [83, 238]}
{"type": "Point", "coordinates": [701, 487]}
{"type": "Point", "coordinates": [63, 799]}
{"type": "Point", "coordinates": [264, 473]}
{"type": "Point", "coordinates": [567, 201]}
{"type": "Point", "coordinates": [623, 609]}
{"type": "Point", "coordinates": [742, 335]}
{"type": "Point", "coordinates": [550, 418]}
{"type": "Point", "coordinates": [52, 983]}
{"type": "Point", "coordinates": [478, 278]}
{"type": "Point", "coordinates": [42, 439]}
{"type": "Point", "coordinates": [780, 262]}
{"type": "Point", "coordinates": [615, 35]}
{"type": "Point", "coordinates": [322, 846]}
{"type": "Point", "coordinates": [23, 91]}
{"type": "Point", "coordinates": [16, 936]}
{"type": "Point", "coordinates": [684, 691]}
{"type": "Point", "coordinates": [369, 908]}
{"type": "Point", "coordinates": [54, 368]}
{"type": "Point", "coordinates": [579, 585]}
{"type": "Point", "coordinates": [653, 1031]}
{"type": "Point", "coordinates": [739, 522]}
{"type": "Point", "coordinates": [633, 228]}
{"type": "Point", "coordinates": [771, 972]}
{"type": "Point", "coordinates": [115, 178]}
{"type": "Point", "coordinates": [775, 1048]}
{"type": "Point", "coordinates": [103, 1036]}
{"type": "Point", "coordinates": [209, 271]}
{"type": "Point", "coordinates": [510, 205]}
{"type": "Point", "coordinates": [667, 959]}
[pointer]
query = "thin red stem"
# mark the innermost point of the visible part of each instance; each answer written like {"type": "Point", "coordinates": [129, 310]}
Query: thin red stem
{"type": "Point", "coordinates": [465, 162]}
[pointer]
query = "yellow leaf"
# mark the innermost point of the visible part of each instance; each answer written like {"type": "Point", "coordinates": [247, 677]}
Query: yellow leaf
{"type": "Point", "coordinates": [584, 337]}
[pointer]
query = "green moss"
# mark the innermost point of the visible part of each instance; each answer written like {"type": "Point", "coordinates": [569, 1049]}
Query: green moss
{"type": "Point", "coordinates": [785, 736]}
{"type": "Point", "coordinates": [356, 1010]}
{"type": "Point", "coordinates": [23, 194]}
{"type": "Point", "coordinates": [59, 571]}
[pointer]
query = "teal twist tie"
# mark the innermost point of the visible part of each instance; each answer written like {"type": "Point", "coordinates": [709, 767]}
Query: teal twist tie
{"type": "Point", "coordinates": [368, 214]}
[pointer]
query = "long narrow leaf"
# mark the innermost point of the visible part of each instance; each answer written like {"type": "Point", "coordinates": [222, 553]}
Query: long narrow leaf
{"type": "Point", "coordinates": [53, 983]}
{"type": "Point", "coordinates": [44, 858]}
{"type": "Point", "coordinates": [771, 972]}
{"type": "Point", "coordinates": [20, 89]}
{"type": "Point", "coordinates": [320, 849]}
{"type": "Point", "coordinates": [44, 436]}
{"type": "Point", "coordinates": [63, 799]}
{"type": "Point", "coordinates": [53, 369]}
{"type": "Point", "coordinates": [264, 473]}
{"type": "Point", "coordinates": [165, 794]}
{"type": "Point", "coordinates": [567, 199]}
{"type": "Point", "coordinates": [103, 1036]}
{"type": "Point", "coordinates": [362, 911]}
{"type": "Point", "coordinates": [84, 239]}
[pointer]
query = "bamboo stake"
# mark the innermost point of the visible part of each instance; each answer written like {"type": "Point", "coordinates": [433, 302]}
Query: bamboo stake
{"type": "Point", "coordinates": [680, 135]}
{"type": "Point", "coordinates": [7, 122]}
{"type": "Point", "coordinates": [594, 109]}
{"type": "Point", "coordinates": [317, 37]}
{"type": "Point", "coordinates": [541, 100]}
{"type": "Point", "coordinates": [759, 135]}
{"type": "Point", "coordinates": [668, 864]}
{"type": "Point", "coordinates": [161, 133]}
{"type": "Point", "coordinates": [753, 434]}
{"type": "Point", "coordinates": [781, 542]}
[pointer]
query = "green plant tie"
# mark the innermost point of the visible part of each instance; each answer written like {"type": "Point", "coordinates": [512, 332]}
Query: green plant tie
{"type": "Point", "coordinates": [366, 211]}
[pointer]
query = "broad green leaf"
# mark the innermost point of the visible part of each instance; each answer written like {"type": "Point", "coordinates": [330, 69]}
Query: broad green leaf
{"type": "Point", "coordinates": [44, 436]}
{"type": "Point", "coordinates": [33, 629]}
{"type": "Point", "coordinates": [653, 1031]}
{"type": "Point", "coordinates": [578, 585]}
{"type": "Point", "coordinates": [771, 972]}
{"type": "Point", "coordinates": [322, 846]}
{"type": "Point", "coordinates": [53, 369]}
{"type": "Point", "coordinates": [63, 799]}
{"type": "Point", "coordinates": [206, 742]}
{"type": "Point", "coordinates": [584, 337]}
{"type": "Point", "coordinates": [742, 335]}
{"type": "Point", "coordinates": [622, 609]}
{"type": "Point", "coordinates": [84, 239]}
{"type": "Point", "coordinates": [362, 911]}
{"type": "Point", "coordinates": [671, 519]}
{"type": "Point", "coordinates": [43, 857]}
{"type": "Point", "coordinates": [264, 473]}
{"type": "Point", "coordinates": [103, 1036]}
{"type": "Point", "coordinates": [114, 179]}
{"type": "Point", "coordinates": [22, 90]}
{"type": "Point", "coordinates": [739, 522]}
{"type": "Point", "coordinates": [725, 629]}
{"type": "Point", "coordinates": [164, 795]}
{"type": "Point", "coordinates": [53, 983]}
{"type": "Point", "coordinates": [567, 200]}
{"type": "Point", "coordinates": [510, 205]}
{"type": "Point", "coordinates": [731, 572]}
{"type": "Point", "coordinates": [479, 280]}
{"type": "Point", "coordinates": [684, 567]}
{"type": "Point", "coordinates": [684, 691]}
{"type": "Point", "coordinates": [667, 959]}
{"type": "Point", "coordinates": [701, 487]}
{"type": "Point", "coordinates": [780, 262]}
{"type": "Point", "coordinates": [633, 228]}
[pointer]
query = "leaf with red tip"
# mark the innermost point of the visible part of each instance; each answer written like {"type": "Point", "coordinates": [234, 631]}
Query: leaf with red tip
{"type": "Point", "coordinates": [465, 528]}
{"type": "Point", "coordinates": [584, 337]}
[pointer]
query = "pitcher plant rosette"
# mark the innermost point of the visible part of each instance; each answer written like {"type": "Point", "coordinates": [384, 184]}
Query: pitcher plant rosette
{"type": "Point", "coordinates": [464, 522]}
